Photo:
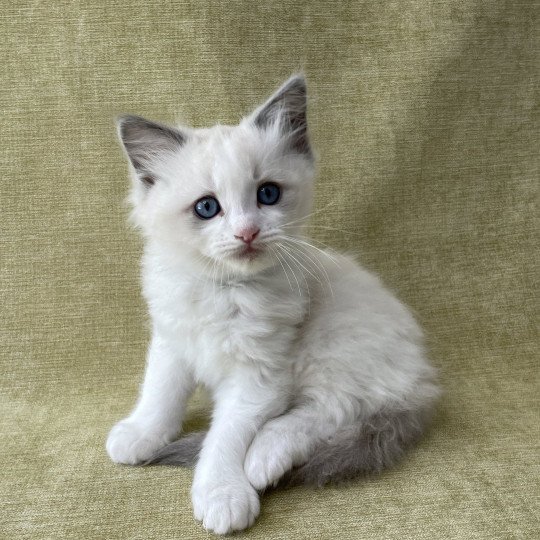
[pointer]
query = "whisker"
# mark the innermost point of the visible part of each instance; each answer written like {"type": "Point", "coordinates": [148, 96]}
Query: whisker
{"type": "Point", "coordinates": [325, 227]}
{"type": "Point", "coordinates": [295, 262]}
{"type": "Point", "coordinates": [318, 211]}
{"type": "Point", "coordinates": [307, 244]}
{"type": "Point", "coordinates": [316, 264]}
{"type": "Point", "coordinates": [268, 235]}
{"type": "Point", "coordinates": [292, 271]}
{"type": "Point", "coordinates": [228, 276]}
{"type": "Point", "coordinates": [311, 239]}
{"type": "Point", "coordinates": [300, 264]}
{"type": "Point", "coordinates": [214, 275]}
{"type": "Point", "coordinates": [221, 276]}
{"type": "Point", "coordinates": [201, 278]}
{"type": "Point", "coordinates": [276, 253]}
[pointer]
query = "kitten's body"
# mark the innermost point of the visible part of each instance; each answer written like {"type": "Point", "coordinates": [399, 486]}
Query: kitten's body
{"type": "Point", "coordinates": [316, 370]}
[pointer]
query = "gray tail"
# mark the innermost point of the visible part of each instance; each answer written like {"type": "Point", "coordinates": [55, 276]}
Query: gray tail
{"type": "Point", "coordinates": [362, 450]}
{"type": "Point", "coordinates": [183, 452]}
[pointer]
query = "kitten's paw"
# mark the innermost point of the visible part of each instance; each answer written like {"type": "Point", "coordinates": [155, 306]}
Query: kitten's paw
{"type": "Point", "coordinates": [131, 444]}
{"type": "Point", "coordinates": [267, 460]}
{"type": "Point", "coordinates": [225, 507]}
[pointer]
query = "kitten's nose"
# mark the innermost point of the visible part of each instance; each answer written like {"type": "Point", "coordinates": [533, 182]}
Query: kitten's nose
{"type": "Point", "coordinates": [248, 234]}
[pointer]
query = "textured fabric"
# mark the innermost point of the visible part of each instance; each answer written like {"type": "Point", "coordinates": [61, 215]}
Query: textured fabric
{"type": "Point", "coordinates": [425, 121]}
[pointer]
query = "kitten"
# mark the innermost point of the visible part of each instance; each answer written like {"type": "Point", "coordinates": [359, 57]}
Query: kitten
{"type": "Point", "coordinates": [317, 372]}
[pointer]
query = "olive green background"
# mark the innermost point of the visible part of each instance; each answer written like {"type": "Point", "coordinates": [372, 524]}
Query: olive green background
{"type": "Point", "coordinates": [425, 119]}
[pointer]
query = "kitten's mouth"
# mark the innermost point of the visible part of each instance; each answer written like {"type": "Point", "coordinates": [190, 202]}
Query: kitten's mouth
{"type": "Point", "coordinates": [249, 252]}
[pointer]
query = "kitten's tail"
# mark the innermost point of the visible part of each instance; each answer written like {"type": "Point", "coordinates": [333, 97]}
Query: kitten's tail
{"type": "Point", "coordinates": [359, 450]}
{"type": "Point", "coordinates": [183, 452]}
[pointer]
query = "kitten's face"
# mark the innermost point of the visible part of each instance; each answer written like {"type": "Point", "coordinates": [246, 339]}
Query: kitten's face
{"type": "Point", "coordinates": [229, 195]}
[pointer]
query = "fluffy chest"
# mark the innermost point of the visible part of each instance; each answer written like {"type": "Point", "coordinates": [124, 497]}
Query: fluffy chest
{"type": "Point", "coordinates": [219, 328]}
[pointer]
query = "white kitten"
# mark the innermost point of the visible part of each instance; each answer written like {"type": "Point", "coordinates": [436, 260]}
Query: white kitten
{"type": "Point", "coordinates": [317, 372]}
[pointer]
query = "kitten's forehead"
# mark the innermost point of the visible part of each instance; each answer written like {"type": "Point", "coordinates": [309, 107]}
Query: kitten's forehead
{"type": "Point", "coordinates": [227, 161]}
{"type": "Point", "coordinates": [233, 154]}
{"type": "Point", "coordinates": [213, 135]}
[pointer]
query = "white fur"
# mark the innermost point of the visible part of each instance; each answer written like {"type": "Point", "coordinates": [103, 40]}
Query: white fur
{"type": "Point", "coordinates": [297, 329]}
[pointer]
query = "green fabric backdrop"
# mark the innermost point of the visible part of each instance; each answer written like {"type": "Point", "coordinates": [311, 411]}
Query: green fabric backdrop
{"type": "Point", "coordinates": [425, 119]}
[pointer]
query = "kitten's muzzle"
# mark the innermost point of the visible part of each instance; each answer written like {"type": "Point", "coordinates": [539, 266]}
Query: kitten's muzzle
{"type": "Point", "coordinates": [248, 234]}
{"type": "Point", "coordinates": [249, 252]}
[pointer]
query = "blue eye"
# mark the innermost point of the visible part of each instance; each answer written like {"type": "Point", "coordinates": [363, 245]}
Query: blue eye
{"type": "Point", "coordinates": [207, 207]}
{"type": "Point", "coordinates": [268, 193]}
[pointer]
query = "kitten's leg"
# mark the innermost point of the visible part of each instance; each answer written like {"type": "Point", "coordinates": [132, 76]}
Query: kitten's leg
{"type": "Point", "coordinates": [326, 449]}
{"type": "Point", "coordinates": [223, 499]}
{"type": "Point", "coordinates": [285, 442]}
{"type": "Point", "coordinates": [157, 417]}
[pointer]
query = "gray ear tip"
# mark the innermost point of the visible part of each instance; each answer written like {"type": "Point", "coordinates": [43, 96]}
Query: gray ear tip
{"type": "Point", "coordinates": [142, 138]}
{"type": "Point", "coordinates": [297, 81]}
{"type": "Point", "coordinates": [123, 121]}
{"type": "Point", "coordinates": [123, 118]}
{"type": "Point", "coordinates": [126, 120]}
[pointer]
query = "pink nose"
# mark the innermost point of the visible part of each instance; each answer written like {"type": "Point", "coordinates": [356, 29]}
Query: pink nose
{"type": "Point", "coordinates": [247, 235]}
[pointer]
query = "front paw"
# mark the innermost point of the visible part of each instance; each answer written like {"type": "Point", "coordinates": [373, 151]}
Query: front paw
{"type": "Point", "coordinates": [131, 444]}
{"type": "Point", "coordinates": [231, 505]}
{"type": "Point", "coordinates": [267, 460]}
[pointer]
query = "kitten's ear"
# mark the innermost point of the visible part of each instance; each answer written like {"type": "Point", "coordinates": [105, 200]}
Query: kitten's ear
{"type": "Point", "coordinates": [288, 108]}
{"type": "Point", "coordinates": [143, 140]}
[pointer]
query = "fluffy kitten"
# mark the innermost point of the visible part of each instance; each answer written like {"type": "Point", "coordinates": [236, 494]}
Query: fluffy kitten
{"type": "Point", "coordinates": [317, 372]}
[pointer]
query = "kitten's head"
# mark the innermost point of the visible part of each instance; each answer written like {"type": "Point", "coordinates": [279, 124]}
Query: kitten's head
{"type": "Point", "coordinates": [227, 194]}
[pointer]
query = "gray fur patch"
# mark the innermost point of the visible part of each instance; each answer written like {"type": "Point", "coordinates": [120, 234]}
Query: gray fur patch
{"type": "Point", "coordinates": [143, 139]}
{"type": "Point", "coordinates": [184, 452]}
{"type": "Point", "coordinates": [362, 450]}
{"type": "Point", "coordinates": [288, 106]}
{"type": "Point", "coordinates": [359, 450]}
